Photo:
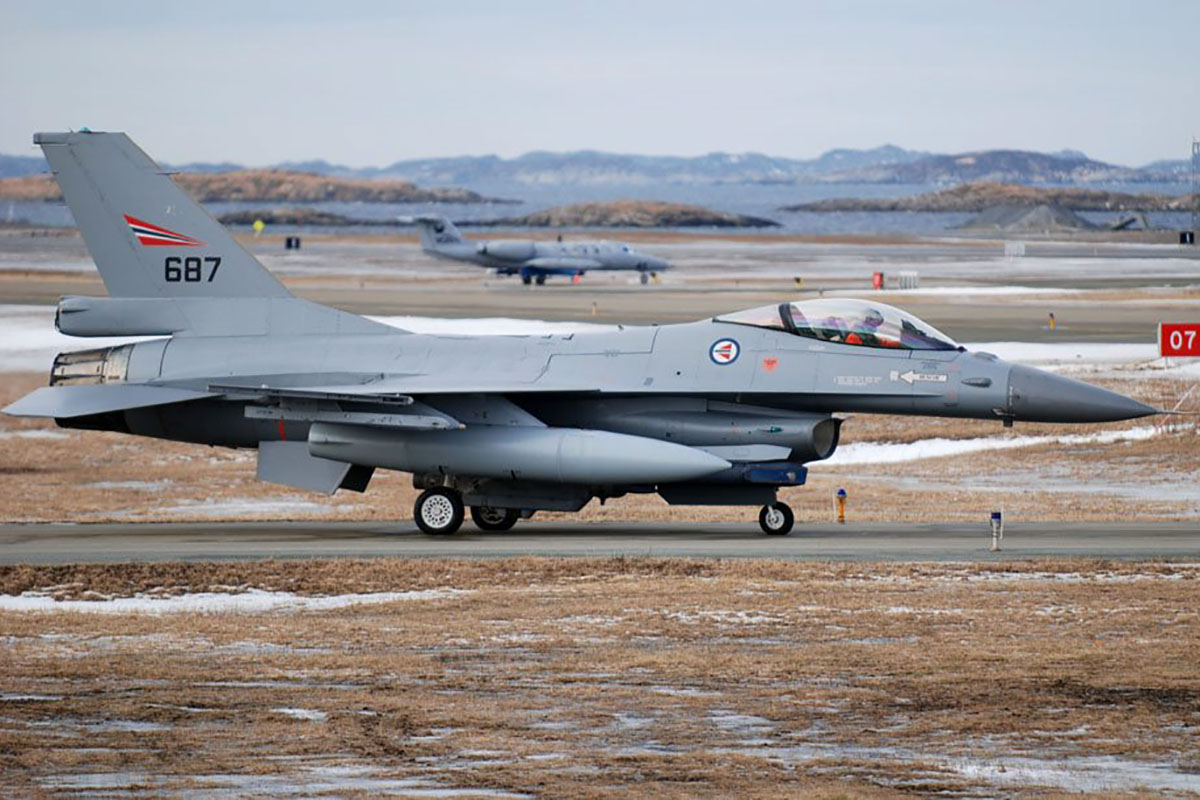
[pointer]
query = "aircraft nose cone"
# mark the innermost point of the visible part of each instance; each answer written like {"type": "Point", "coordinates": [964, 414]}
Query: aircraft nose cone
{"type": "Point", "coordinates": [1037, 396]}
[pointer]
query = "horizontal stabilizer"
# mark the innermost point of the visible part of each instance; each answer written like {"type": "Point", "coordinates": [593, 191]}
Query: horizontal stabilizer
{"type": "Point", "coordinates": [85, 400]}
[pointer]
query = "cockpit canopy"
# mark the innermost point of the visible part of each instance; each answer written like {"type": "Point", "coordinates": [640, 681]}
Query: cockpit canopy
{"type": "Point", "coordinates": [847, 321]}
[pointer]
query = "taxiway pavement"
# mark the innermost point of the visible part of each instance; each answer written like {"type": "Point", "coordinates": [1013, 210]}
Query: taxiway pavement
{"type": "Point", "coordinates": [189, 541]}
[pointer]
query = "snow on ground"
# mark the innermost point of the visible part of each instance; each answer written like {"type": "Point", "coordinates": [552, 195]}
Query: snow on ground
{"type": "Point", "coordinates": [253, 601]}
{"type": "Point", "coordinates": [893, 453]}
{"type": "Point", "coordinates": [958, 291]}
{"type": "Point", "coordinates": [1048, 353]}
{"type": "Point", "coordinates": [29, 341]}
{"type": "Point", "coordinates": [246, 506]}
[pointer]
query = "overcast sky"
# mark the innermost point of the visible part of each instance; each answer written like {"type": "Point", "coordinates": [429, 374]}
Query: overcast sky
{"type": "Point", "coordinates": [369, 83]}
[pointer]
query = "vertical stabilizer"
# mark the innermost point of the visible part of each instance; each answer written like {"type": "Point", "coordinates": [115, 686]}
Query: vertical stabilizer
{"type": "Point", "coordinates": [146, 235]}
{"type": "Point", "coordinates": [436, 231]}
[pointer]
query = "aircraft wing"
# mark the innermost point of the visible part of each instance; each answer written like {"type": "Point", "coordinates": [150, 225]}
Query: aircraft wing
{"type": "Point", "coordinates": [568, 264]}
{"type": "Point", "coordinates": [390, 391]}
{"type": "Point", "coordinates": [86, 400]}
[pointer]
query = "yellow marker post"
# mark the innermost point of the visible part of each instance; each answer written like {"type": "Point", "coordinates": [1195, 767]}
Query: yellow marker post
{"type": "Point", "coordinates": [258, 226]}
{"type": "Point", "coordinates": [841, 506]}
{"type": "Point", "coordinates": [1053, 321]}
{"type": "Point", "coordinates": [798, 281]}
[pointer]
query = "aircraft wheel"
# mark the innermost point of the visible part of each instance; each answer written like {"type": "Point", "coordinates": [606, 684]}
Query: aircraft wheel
{"type": "Point", "coordinates": [487, 518]}
{"type": "Point", "coordinates": [540, 280]}
{"type": "Point", "coordinates": [526, 279]}
{"type": "Point", "coordinates": [644, 279]}
{"type": "Point", "coordinates": [439, 511]}
{"type": "Point", "coordinates": [776, 519]}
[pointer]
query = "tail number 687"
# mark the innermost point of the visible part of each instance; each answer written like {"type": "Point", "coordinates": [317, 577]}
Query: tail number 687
{"type": "Point", "coordinates": [192, 269]}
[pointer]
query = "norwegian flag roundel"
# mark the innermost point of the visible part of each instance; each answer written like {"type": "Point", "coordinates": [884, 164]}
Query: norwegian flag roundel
{"type": "Point", "coordinates": [724, 351]}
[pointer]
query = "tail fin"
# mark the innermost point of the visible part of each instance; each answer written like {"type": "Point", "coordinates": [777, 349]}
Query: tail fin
{"type": "Point", "coordinates": [146, 235]}
{"type": "Point", "coordinates": [436, 230]}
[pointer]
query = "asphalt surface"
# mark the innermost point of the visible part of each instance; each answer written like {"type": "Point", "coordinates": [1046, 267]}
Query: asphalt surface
{"type": "Point", "coordinates": [56, 544]}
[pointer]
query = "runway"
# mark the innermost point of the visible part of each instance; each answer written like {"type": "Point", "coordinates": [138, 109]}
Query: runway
{"type": "Point", "coordinates": [103, 543]}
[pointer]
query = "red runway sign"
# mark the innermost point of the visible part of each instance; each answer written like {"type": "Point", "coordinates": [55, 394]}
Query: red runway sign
{"type": "Point", "coordinates": [1179, 339]}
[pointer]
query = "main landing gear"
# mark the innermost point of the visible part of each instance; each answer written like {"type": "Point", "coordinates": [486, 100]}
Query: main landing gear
{"type": "Point", "coordinates": [776, 519]}
{"type": "Point", "coordinates": [487, 518]}
{"type": "Point", "coordinates": [439, 512]}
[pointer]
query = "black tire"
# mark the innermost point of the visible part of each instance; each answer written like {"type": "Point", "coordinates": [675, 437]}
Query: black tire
{"type": "Point", "coordinates": [494, 519]}
{"type": "Point", "coordinates": [526, 279]}
{"type": "Point", "coordinates": [439, 511]}
{"type": "Point", "coordinates": [776, 519]}
{"type": "Point", "coordinates": [644, 279]}
{"type": "Point", "coordinates": [540, 280]}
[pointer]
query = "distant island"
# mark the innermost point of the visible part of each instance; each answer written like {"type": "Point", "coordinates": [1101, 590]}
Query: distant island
{"type": "Point", "coordinates": [298, 217]}
{"type": "Point", "coordinates": [269, 185]}
{"type": "Point", "coordinates": [980, 196]}
{"type": "Point", "coordinates": [631, 214]}
{"type": "Point", "coordinates": [886, 164]}
{"type": "Point", "coordinates": [616, 214]}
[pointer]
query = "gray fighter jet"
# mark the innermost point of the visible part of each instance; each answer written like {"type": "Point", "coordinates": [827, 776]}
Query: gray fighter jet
{"type": "Point", "coordinates": [721, 411]}
{"type": "Point", "coordinates": [533, 261]}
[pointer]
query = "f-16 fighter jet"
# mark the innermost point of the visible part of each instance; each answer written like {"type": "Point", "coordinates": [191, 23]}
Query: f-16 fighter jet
{"type": "Point", "coordinates": [722, 411]}
{"type": "Point", "coordinates": [533, 261]}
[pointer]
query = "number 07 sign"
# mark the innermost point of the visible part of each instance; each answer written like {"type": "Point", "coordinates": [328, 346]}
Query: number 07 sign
{"type": "Point", "coordinates": [1179, 339]}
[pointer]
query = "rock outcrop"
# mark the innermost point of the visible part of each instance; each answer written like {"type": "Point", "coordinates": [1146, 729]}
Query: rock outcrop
{"type": "Point", "coordinates": [1027, 219]}
{"type": "Point", "coordinates": [300, 217]}
{"type": "Point", "coordinates": [632, 214]}
{"type": "Point", "coordinates": [980, 196]}
{"type": "Point", "coordinates": [268, 185]}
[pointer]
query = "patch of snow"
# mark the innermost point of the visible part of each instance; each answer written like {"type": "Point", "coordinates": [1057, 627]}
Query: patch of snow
{"type": "Point", "coordinates": [35, 433]}
{"type": "Point", "coordinates": [253, 601]}
{"type": "Point", "coordinates": [244, 506]}
{"type": "Point", "coordinates": [893, 453]}
{"type": "Point", "coordinates": [141, 486]}
{"type": "Point", "coordinates": [1045, 353]}
{"type": "Point", "coordinates": [29, 341]}
{"type": "Point", "coordinates": [957, 291]}
{"type": "Point", "coordinates": [303, 713]}
{"type": "Point", "coordinates": [723, 617]}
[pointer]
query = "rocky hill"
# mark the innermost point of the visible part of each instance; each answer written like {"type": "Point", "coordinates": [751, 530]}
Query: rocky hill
{"type": "Point", "coordinates": [268, 185]}
{"type": "Point", "coordinates": [299, 217]}
{"type": "Point", "coordinates": [885, 164]}
{"type": "Point", "coordinates": [1042, 218]}
{"type": "Point", "coordinates": [979, 196]}
{"type": "Point", "coordinates": [996, 166]}
{"type": "Point", "coordinates": [632, 214]}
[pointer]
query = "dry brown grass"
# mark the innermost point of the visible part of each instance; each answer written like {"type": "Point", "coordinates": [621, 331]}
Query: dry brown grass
{"type": "Point", "coordinates": [614, 677]}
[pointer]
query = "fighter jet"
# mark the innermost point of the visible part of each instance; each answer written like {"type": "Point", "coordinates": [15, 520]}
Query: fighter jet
{"type": "Point", "coordinates": [722, 411]}
{"type": "Point", "coordinates": [533, 261]}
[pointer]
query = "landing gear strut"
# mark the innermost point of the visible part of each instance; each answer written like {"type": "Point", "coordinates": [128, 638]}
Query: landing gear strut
{"type": "Point", "coordinates": [776, 519]}
{"type": "Point", "coordinates": [487, 518]}
{"type": "Point", "coordinates": [439, 511]}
